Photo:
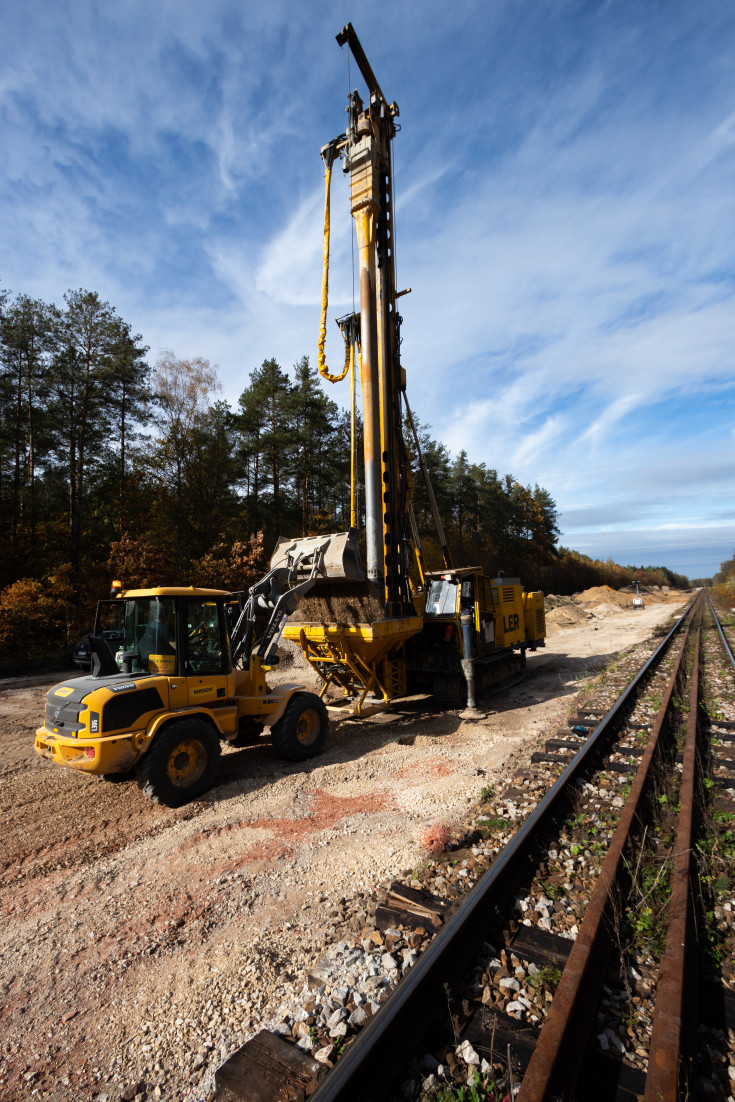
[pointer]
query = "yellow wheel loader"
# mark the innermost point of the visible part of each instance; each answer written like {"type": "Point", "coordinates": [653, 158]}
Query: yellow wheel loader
{"type": "Point", "coordinates": [188, 675]}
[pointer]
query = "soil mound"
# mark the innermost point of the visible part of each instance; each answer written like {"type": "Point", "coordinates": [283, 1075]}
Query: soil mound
{"type": "Point", "coordinates": [340, 602]}
{"type": "Point", "coordinates": [291, 657]}
{"type": "Point", "coordinates": [552, 601]}
{"type": "Point", "coordinates": [600, 594]}
{"type": "Point", "coordinates": [566, 616]}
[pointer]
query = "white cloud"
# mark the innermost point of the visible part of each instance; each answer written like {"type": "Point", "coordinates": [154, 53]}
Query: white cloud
{"type": "Point", "coordinates": [563, 193]}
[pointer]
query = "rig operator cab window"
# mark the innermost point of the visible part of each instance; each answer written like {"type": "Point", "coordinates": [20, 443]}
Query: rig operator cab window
{"type": "Point", "coordinates": [441, 598]}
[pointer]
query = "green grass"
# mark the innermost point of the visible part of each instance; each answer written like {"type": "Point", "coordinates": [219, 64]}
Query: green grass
{"type": "Point", "coordinates": [482, 1089]}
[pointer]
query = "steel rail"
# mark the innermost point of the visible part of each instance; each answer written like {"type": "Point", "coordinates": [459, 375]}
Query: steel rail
{"type": "Point", "coordinates": [670, 1055]}
{"type": "Point", "coordinates": [556, 1061]}
{"type": "Point", "coordinates": [370, 1065]}
{"type": "Point", "coordinates": [718, 625]}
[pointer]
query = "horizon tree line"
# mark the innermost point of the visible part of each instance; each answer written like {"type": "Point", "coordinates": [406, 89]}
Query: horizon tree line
{"type": "Point", "coordinates": [108, 462]}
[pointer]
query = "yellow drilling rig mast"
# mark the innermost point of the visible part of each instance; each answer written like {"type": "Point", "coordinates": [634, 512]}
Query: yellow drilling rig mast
{"type": "Point", "coordinates": [455, 631]}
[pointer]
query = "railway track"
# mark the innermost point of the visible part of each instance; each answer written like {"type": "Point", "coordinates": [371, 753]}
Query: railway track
{"type": "Point", "coordinates": [570, 969]}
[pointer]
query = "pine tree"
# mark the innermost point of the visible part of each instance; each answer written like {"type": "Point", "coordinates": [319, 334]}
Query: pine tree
{"type": "Point", "coordinates": [267, 447]}
{"type": "Point", "coordinates": [26, 338]}
{"type": "Point", "coordinates": [314, 442]}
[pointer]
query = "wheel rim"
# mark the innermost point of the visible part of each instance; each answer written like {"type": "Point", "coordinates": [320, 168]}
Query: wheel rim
{"type": "Point", "coordinates": [186, 763]}
{"type": "Point", "coordinates": [307, 727]}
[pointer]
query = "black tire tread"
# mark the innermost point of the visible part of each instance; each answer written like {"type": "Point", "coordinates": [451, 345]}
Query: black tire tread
{"type": "Point", "coordinates": [150, 771]}
{"type": "Point", "coordinates": [283, 733]}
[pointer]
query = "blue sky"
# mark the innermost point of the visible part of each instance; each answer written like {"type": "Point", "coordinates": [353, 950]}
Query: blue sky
{"type": "Point", "coordinates": [564, 213]}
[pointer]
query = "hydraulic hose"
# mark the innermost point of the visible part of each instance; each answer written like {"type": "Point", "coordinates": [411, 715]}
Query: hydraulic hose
{"type": "Point", "coordinates": [321, 358]}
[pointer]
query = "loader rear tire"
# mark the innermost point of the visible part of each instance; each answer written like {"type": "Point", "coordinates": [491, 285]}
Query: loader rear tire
{"type": "Point", "coordinates": [301, 731]}
{"type": "Point", "coordinates": [181, 763]}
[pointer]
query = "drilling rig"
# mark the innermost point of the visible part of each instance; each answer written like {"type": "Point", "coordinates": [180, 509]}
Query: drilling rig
{"type": "Point", "coordinates": [454, 632]}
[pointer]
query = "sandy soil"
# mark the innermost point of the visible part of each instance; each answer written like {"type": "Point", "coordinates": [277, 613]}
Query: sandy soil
{"type": "Point", "coordinates": [120, 919]}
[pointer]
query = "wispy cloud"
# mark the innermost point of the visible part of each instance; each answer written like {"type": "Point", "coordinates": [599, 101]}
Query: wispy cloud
{"type": "Point", "coordinates": [563, 193]}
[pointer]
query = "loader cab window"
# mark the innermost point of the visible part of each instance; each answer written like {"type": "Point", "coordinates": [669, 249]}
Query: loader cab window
{"type": "Point", "coordinates": [207, 647]}
{"type": "Point", "coordinates": [441, 598]}
{"type": "Point", "coordinates": [150, 634]}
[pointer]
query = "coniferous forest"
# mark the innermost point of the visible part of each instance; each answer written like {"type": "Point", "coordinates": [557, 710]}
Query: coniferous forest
{"type": "Point", "coordinates": [113, 466]}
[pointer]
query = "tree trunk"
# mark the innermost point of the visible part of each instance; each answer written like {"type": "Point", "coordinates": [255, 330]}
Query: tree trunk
{"type": "Point", "coordinates": [31, 480]}
{"type": "Point", "coordinates": [121, 525]}
{"type": "Point", "coordinates": [179, 516]}
{"type": "Point", "coordinates": [15, 515]}
{"type": "Point", "coordinates": [76, 518]}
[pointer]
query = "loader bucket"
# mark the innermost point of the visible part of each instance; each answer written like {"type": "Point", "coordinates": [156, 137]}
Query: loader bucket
{"type": "Point", "coordinates": [338, 555]}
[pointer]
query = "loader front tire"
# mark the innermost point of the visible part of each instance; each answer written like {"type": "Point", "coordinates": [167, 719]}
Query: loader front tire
{"type": "Point", "coordinates": [181, 763]}
{"type": "Point", "coordinates": [301, 731]}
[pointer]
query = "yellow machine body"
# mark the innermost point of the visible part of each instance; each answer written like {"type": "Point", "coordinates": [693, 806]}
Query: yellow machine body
{"type": "Point", "coordinates": [535, 618]}
{"type": "Point", "coordinates": [469, 616]}
{"type": "Point", "coordinates": [357, 658]}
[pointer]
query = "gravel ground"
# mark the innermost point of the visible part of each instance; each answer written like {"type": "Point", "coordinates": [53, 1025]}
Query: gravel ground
{"type": "Point", "coordinates": [140, 945]}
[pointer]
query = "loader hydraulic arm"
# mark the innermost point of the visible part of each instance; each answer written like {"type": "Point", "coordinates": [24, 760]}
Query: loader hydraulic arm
{"type": "Point", "coordinates": [296, 567]}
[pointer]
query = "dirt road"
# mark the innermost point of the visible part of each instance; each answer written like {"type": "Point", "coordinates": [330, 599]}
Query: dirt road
{"type": "Point", "coordinates": [139, 944]}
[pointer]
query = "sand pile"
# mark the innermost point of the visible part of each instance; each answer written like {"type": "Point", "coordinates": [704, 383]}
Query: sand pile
{"type": "Point", "coordinates": [340, 602]}
{"type": "Point", "coordinates": [607, 608]}
{"type": "Point", "coordinates": [600, 594]}
{"type": "Point", "coordinates": [566, 616]}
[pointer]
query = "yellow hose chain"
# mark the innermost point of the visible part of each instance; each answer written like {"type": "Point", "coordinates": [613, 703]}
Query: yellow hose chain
{"type": "Point", "coordinates": [321, 358]}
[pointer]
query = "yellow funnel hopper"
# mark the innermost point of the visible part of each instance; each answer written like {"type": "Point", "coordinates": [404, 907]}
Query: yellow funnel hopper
{"type": "Point", "coordinates": [357, 658]}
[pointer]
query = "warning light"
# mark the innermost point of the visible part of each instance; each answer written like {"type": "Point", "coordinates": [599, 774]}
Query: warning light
{"type": "Point", "coordinates": [115, 588]}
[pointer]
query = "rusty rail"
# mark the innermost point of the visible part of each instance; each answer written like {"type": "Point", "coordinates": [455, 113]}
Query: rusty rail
{"type": "Point", "coordinates": [557, 1059]}
{"type": "Point", "coordinates": [370, 1065]}
{"type": "Point", "coordinates": [670, 1056]}
{"type": "Point", "coordinates": [718, 625]}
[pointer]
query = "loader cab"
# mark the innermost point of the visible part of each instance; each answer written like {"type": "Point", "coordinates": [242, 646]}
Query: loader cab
{"type": "Point", "coordinates": [176, 632]}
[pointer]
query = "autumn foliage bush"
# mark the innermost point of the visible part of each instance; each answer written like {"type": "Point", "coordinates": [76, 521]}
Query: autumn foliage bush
{"type": "Point", "coordinates": [232, 566]}
{"type": "Point", "coordinates": [34, 622]}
